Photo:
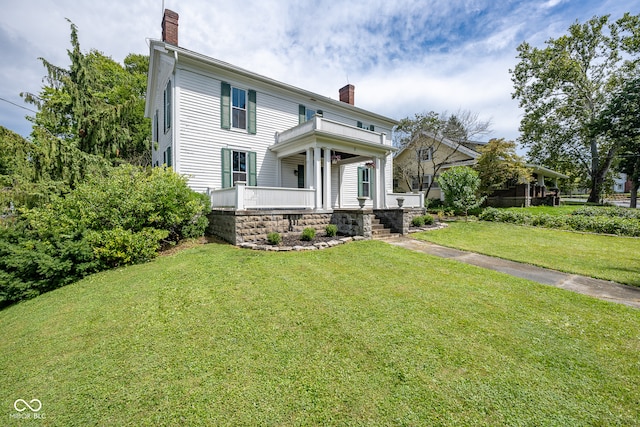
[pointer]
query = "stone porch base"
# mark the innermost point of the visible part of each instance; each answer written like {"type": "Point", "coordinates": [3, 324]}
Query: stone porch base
{"type": "Point", "coordinates": [239, 227]}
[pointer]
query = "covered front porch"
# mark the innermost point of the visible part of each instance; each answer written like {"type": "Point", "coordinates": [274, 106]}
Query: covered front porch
{"type": "Point", "coordinates": [322, 165]}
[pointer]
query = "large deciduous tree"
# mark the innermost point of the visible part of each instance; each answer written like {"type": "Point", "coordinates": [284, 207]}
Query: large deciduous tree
{"type": "Point", "coordinates": [564, 87]}
{"type": "Point", "coordinates": [620, 121]}
{"type": "Point", "coordinates": [432, 140]}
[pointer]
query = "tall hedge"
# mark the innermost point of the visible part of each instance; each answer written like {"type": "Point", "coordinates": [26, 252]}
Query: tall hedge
{"type": "Point", "coordinates": [122, 218]}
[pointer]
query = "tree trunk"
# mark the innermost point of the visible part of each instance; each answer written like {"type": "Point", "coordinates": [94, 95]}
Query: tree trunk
{"type": "Point", "coordinates": [599, 172]}
{"type": "Point", "coordinates": [635, 180]}
{"type": "Point", "coordinates": [596, 190]}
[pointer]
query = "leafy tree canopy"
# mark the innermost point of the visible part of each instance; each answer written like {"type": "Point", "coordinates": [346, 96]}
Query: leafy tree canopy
{"type": "Point", "coordinates": [95, 106]}
{"type": "Point", "coordinates": [499, 165]}
{"type": "Point", "coordinates": [564, 87]}
{"type": "Point", "coordinates": [460, 185]}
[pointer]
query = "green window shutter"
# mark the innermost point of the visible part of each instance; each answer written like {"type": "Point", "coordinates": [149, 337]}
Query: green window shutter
{"type": "Point", "coordinates": [169, 157]}
{"type": "Point", "coordinates": [300, 176]}
{"type": "Point", "coordinates": [251, 165]}
{"type": "Point", "coordinates": [302, 114]}
{"type": "Point", "coordinates": [359, 124]}
{"type": "Point", "coordinates": [225, 106]}
{"type": "Point", "coordinates": [226, 168]}
{"type": "Point", "coordinates": [360, 178]}
{"type": "Point", "coordinates": [252, 112]}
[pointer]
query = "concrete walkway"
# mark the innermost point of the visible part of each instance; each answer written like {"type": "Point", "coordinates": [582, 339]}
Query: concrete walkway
{"type": "Point", "coordinates": [603, 289]}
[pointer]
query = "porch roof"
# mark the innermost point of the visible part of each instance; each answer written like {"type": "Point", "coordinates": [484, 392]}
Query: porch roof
{"type": "Point", "coordinates": [320, 132]}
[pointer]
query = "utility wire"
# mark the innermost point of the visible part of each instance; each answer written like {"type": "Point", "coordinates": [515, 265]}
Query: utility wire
{"type": "Point", "coordinates": [17, 105]}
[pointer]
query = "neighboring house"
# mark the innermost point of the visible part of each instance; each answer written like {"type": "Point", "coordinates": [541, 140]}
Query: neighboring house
{"type": "Point", "coordinates": [255, 144]}
{"type": "Point", "coordinates": [448, 154]}
{"type": "Point", "coordinates": [621, 184]}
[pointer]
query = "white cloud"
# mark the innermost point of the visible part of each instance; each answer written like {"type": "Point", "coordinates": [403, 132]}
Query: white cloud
{"type": "Point", "coordinates": [404, 56]}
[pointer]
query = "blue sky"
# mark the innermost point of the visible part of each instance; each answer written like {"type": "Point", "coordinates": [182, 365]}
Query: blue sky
{"type": "Point", "coordinates": [403, 56]}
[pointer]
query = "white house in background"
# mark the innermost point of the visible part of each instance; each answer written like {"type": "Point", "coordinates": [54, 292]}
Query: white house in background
{"type": "Point", "coordinates": [620, 183]}
{"type": "Point", "coordinates": [252, 142]}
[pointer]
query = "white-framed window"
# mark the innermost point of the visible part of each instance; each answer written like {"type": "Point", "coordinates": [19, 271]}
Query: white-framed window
{"type": "Point", "coordinates": [167, 107]}
{"type": "Point", "coordinates": [305, 114]}
{"type": "Point", "coordinates": [239, 166]}
{"type": "Point", "coordinates": [361, 125]}
{"type": "Point", "coordinates": [238, 108]}
{"type": "Point", "coordinates": [426, 180]}
{"type": "Point", "coordinates": [425, 153]}
{"type": "Point", "coordinates": [155, 128]}
{"type": "Point", "coordinates": [364, 182]}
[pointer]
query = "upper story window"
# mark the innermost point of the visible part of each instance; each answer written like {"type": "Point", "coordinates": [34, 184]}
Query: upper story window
{"type": "Point", "coordinates": [363, 126]}
{"type": "Point", "coordinates": [425, 153]}
{"type": "Point", "coordinates": [167, 107]}
{"type": "Point", "coordinates": [239, 108]}
{"type": "Point", "coordinates": [305, 114]}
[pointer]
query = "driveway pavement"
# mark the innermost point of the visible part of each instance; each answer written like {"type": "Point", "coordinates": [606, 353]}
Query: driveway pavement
{"type": "Point", "coordinates": [603, 289]}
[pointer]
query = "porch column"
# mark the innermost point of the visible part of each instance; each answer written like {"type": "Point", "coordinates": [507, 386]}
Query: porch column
{"type": "Point", "coordinates": [326, 187]}
{"type": "Point", "coordinates": [317, 165]}
{"type": "Point", "coordinates": [308, 169]}
{"type": "Point", "coordinates": [383, 183]}
{"type": "Point", "coordinates": [377, 201]}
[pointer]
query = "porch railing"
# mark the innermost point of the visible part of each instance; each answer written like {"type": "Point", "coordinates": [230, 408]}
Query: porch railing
{"type": "Point", "coordinates": [411, 200]}
{"type": "Point", "coordinates": [241, 197]}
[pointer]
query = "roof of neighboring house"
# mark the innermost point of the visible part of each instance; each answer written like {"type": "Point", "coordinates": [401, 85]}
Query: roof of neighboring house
{"type": "Point", "coordinates": [463, 147]}
{"type": "Point", "coordinates": [541, 170]}
{"type": "Point", "coordinates": [474, 145]}
{"type": "Point", "coordinates": [158, 46]}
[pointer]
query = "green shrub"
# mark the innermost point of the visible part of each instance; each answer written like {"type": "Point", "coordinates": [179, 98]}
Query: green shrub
{"type": "Point", "coordinates": [308, 234]}
{"type": "Point", "coordinates": [274, 238]}
{"type": "Point", "coordinates": [118, 219]}
{"type": "Point", "coordinates": [428, 219]}
{"type": "Point", "coordinates": [331, 230]}
{"type": "Point", "coordinates": [611, 211]}
{"type": "Point", "coordinates": [587, 221]}
{"type": "Point", "coordinates": [417, 221]}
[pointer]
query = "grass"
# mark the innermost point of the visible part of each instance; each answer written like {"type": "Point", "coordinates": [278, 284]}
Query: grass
{"type": "Point", "coordinates": [361, 334]}
{"type": "Point", "coordinates": [601, 256]}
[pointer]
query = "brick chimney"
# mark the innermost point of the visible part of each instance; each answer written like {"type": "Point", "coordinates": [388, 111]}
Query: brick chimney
{"type": "Point", "coordinates": [347, 94]}
{"type": "Point", "coordinates": [170, 27]}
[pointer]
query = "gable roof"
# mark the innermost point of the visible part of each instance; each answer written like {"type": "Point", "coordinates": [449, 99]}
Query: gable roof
{"type": "Point", "coordinates": [464, 147]}
{"type": "Point", "coordinates": [158, 47]}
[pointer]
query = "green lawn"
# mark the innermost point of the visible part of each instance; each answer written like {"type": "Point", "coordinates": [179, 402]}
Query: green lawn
{"type": "Point", "coordinates": [601, 256]}
{"type": "Point", "coordinates": [361, 334]}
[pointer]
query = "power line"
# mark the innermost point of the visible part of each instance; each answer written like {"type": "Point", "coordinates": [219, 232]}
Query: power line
{"type": "Point", "coordinates": [17, 105]}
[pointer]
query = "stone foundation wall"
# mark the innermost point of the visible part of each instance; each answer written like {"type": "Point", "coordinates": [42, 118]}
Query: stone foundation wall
{"type": "Point", "coordinates": [250, 226]}
{"type": "Point", "coordinates": [239, 227]}
{"type": "Point", "coordinates": [399, 220]}
{"type": "Point", "coordinates": [353, 222]}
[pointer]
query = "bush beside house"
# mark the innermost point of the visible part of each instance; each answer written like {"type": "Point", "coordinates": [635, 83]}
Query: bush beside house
{"type": "Point", "coordinates": [109, 221]}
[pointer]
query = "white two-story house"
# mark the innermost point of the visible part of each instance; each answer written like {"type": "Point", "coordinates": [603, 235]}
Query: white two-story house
{"type": "Point", "coordinates": [254, 143]}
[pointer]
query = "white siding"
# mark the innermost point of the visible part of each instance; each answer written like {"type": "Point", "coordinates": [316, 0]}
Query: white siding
{"type": "Point", "coordinates": [200, 138]}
